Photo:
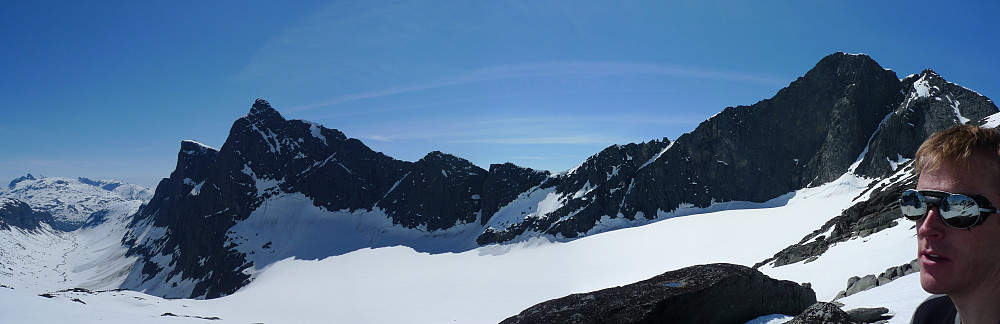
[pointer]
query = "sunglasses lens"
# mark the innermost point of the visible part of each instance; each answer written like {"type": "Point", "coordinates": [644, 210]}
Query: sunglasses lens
{"type": "Point", "coordinates": [959, 211]}
{"type": "Point", "coordinates": [913, 205]}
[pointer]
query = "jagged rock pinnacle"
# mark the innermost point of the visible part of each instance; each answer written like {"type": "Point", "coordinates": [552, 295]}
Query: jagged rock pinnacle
{"type": "Point", "coordinates": [261, 109]}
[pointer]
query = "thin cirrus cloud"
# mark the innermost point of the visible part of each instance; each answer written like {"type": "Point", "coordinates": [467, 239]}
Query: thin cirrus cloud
{"type": "Point", "coordinates": [544, 130]}
{"type": "Point", "coordinates": [577, 139]}
{"type": "Point", "coordinates": [549, 70]}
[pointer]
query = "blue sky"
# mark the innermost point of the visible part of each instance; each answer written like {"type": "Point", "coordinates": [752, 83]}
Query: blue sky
{"type": "Point", "coordinates": [109, 89]}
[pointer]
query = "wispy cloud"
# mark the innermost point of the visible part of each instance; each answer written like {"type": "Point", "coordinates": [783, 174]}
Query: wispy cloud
{"type": "Point", "coordinates": [517, 131]}
{"type": "Point", "coordinates": [576, 139]}
{"type": "Point", "coordinates": [556, 69]}
{"type": "Point", "coordinates": [380, 138]}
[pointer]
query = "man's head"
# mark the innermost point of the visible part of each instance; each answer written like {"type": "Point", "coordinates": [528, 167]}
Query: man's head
{"type": "Point", "coordinates": [960, 160]}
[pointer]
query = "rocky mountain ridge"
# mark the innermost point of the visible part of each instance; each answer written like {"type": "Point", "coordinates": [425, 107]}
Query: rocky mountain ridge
{"type": "Point", "coordinates": [846, 115]}
{"type": "Point", "coordinates": [15, 213]}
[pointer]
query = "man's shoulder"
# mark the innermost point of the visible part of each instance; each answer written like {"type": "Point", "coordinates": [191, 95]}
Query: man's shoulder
{"type": "Point", "coordinates": [936, 309]}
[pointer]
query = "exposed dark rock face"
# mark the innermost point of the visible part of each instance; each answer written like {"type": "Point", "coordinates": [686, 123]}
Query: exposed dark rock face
{"type": "Point", "coordinates": [504, 183]}
{"type": "Point", "coordinates": [713, 293]}
{"type": "Point", "coordinates": [19, 179]}
{"type": "Point", "coordinates": [195, 210]}
{"type": "Point", "coordinates": [439, 191]}
{"type": "Point", "coordinates": [15, 213]}
{"type": "Point", "coordinates": [930, 104]}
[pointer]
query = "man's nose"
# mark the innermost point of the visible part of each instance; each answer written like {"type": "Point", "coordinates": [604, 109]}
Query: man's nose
{"type": "Point", "coordinates": [932, 225]}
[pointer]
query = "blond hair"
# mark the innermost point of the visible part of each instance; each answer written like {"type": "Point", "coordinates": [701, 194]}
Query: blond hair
{"type": "Point", "coordinates": [956, 146]}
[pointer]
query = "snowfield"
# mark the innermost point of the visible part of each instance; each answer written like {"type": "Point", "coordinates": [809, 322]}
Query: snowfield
{"type": "Point", "coordinates": [398, 284]}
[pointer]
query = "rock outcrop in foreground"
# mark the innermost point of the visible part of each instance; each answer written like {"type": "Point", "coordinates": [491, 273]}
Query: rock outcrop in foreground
{"type": "Point", "coordinates": [712, 293]}
{"type": "Point", "coordinates": [830, 313]}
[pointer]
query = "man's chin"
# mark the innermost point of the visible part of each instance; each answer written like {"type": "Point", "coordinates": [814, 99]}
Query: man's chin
{"type": "Point", "coordinates": [933, 285]}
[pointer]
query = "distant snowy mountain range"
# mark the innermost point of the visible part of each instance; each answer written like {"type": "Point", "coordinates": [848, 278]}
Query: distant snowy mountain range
{"type": "Point", "coordinates": [72, 201]}
{"type": "Point", "coordinates": [817, 166]}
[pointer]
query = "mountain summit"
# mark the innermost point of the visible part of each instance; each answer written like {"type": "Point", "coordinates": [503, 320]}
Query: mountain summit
{"type": "Point", "coordinates": [283, 188]}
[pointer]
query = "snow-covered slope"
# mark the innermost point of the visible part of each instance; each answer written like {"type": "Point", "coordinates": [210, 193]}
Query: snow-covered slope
{"type": "Point", "coordinates": [91, 256]}
{"type": "Point", "coordinates": [71, 201]}
{"type": "Point", "coordinates": [47, 259]}
{"type": "Point", "coordinates": [487, 284]}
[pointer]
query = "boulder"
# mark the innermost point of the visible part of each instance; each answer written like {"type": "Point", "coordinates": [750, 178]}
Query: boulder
{"type": "Point", "coordinates": [713, 293]}
{"type": "Point", "coordinates": [870, 315]}
{"type": "Point", "coordinates": [856, 284]}
{"type": "Point", "coordinates": [863, 284]}
{"type": "Point", "coordinates": [823, 313]}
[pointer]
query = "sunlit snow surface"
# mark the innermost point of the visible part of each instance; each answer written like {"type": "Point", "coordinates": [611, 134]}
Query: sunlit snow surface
{"type": "Point", "coordinates": [48, 260]}
{"type": "Point", "coordinates": [397, 284]}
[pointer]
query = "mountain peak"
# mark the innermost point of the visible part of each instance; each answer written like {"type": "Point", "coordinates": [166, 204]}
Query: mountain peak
{"type": "Point", "coordinates": [440, 158]}
{"type": "Point", "coordinates": [931, 76]}
{"type": "Point", "coordinates": [841, 56]}
{"type": "Point", "coordinates": [436, 155]}
{"type": "Point", "coordinates": [24, 178]}
{"type": "Point", "coordinates": [261, 109]}
{"type": "Point", "coordinates": [195, 148]}
{"type": "Point", "coordinates": [842, 65]}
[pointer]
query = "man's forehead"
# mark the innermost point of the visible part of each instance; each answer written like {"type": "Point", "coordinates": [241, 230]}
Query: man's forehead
{"type": "Point", "coordinates": [979, 171]}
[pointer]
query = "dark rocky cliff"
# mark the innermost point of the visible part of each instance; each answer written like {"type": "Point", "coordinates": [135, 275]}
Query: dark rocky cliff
{"type": "Point", "coordinates": [927, 104]}
{"type": "Point", "coordinates": [15, 213]}
{"type": "Point", "coordinates": [439, 191]}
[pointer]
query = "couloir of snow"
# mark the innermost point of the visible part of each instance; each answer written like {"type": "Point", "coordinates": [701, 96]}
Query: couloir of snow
{"type": "Point", "coordinates": [398, 284]}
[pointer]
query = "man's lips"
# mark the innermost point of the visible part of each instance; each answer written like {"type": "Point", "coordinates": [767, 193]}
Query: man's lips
{"type": "Point", "coordinates": [933, 256]}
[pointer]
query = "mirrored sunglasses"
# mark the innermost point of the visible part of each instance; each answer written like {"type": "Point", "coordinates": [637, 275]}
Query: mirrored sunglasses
{"type": "Point", "coordinates": [957, 210]}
